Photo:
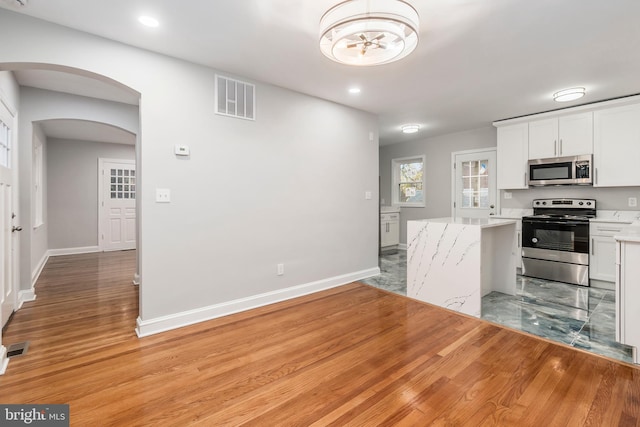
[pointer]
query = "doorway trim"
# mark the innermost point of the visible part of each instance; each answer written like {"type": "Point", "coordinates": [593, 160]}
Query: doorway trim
{"type": "Point", "coordinates": [453, 176]}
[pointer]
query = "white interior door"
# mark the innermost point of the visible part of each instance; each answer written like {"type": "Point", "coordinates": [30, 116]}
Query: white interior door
{"type": "Point", "coordinates": [7, 285]}
{"type": "Point", "coordinates": [474, 184]}
{"type": "Point", "coordinates": [118, 205]}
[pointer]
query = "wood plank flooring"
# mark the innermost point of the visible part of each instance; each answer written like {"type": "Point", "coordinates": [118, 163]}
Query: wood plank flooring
{"type": "Point", "coordinates": [353, 355]}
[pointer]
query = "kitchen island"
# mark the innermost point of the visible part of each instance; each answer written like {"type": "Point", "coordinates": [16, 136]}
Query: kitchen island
{"type": "Point", "coordinates": [454, 262]}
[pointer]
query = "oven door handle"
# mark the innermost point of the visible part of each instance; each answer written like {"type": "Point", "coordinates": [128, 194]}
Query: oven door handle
{"type": "Point", "coordinates": [567, 223]}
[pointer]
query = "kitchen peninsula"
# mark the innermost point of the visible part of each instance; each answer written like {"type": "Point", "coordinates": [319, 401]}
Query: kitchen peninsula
{"type": "Point", "coordinates": [453, 262]}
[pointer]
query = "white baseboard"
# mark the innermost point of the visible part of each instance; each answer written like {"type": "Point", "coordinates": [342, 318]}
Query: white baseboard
{"type": "Point", "coordinates": [4, 360]}
{"type": "Point", "coordinates": [26, 296]}
{"type": "Point", "coordinates": [402, 246]}
{"type": "Point", "coordinates": [165, 323]}
{"type": "Point", "coordinates": [73, 251]}
{"type": "Point", "coordinates": [36, 273]}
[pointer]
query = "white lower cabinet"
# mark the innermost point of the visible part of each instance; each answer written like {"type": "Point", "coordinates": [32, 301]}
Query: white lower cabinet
{"type": "Point", "coordinates": [628, 294]}
{"type": "Point", "coordinates": [389, 229]}
{"type": "Point", "coordinates": [602, 257]}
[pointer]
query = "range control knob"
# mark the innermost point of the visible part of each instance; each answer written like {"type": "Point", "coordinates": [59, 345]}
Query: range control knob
{"type": "Point", "coordinates": [581, 203]}
{"type": "Point", "coordinates": [588, 203]}
{"type": "Point", "coordinates": [544, 203]}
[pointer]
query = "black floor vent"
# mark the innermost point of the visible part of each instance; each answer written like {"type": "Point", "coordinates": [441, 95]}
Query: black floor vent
{"type": "Point", "coordinates": [19, 349]}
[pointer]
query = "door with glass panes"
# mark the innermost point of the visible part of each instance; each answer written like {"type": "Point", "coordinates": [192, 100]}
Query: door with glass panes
{"type": "Point", "coordinates": [474, 184]}
{"type": "Point", "coordinates": [118, 205]}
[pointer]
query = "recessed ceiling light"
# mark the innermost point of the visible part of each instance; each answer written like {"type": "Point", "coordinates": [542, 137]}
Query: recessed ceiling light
{"type": "Point", "coordinates": [148, 21]}
{"type": "Point", "coordinates": [410, 128]}
{"type": "Point", "coordinates": [569, 94]}
{"type": "Point", "coordinates": [354, 90]}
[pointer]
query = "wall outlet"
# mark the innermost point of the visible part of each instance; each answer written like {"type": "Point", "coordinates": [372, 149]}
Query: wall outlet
{"type": "Point", "coordinates": [508, 195]}
{"type": "Point", "coordinates": [633, 202]}
{"type": "Point", "coordinates": [367, 195]}
{"type": "Point", "coordinates": [280, 269]}
{"type": "Point", "coordinates": [163, 195]}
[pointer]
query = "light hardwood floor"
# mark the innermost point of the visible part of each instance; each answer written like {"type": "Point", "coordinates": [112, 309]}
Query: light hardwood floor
{"type": "Point", "coordinates": [353, 355]}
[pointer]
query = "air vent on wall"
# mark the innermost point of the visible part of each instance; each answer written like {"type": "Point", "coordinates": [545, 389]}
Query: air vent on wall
{"type": "Point", "coordinates": [235, 98]}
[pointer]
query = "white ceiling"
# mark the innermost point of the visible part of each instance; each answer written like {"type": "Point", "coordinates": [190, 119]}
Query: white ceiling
{"type": "Point", "coordinates": [83, 130]}
{"type": "Point", "coordinates": [477, 61]}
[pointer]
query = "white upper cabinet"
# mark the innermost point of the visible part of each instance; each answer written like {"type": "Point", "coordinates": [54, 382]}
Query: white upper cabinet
{"type": "Point", "coordinates": [616, 146]}
{"type": "Point", "coordinates": [570, 135]}
{"type": "Point", "coordinates": [512, 153]}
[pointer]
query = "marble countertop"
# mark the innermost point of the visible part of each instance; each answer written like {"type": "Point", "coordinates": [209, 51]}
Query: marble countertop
{"type": "Point", "coordinates": [631, 234]}
{"type": "Point", "coordinates": [616, 216]}
{"type": "Point", "coordinates": [481, 222]}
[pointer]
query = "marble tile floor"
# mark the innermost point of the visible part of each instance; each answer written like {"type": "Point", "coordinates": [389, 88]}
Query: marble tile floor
{"type": "Point", "coordinates": [582, 317]}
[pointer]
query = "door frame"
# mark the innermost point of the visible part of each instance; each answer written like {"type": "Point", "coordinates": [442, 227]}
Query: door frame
{"type": "Point", "coordinates": [453, 175]}
{"type": "Point", "coordinates": [15, 239]}
{"type": "Point", "coordinates": [101, 213]}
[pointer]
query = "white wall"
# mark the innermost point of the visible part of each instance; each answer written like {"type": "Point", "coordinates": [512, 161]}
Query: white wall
{"type": "Point", "coordinates": [72, 189]}
{"type": "Point", "coordinates": [287, 188]}
{"type": "Point", "coordinates": [438, 170]}
{"type": "Point", "coordinates": [38, 105]}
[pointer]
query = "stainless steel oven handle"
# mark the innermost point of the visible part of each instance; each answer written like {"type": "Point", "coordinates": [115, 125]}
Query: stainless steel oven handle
{"type": "Point", "coordinates": [568, 223]}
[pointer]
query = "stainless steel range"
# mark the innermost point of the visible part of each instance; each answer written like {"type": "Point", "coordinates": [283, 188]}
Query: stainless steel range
{"type": "Point", "coordinates": [555, 240]}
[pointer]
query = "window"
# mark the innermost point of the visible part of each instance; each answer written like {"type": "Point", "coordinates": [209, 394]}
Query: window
{"type": "Point", "coordinates": [475, 184]}
{"type": "Point", "coordinates": [38, 190]}
{"type": "Point", "coordinates": [123, 183]}
{"type": "Point", "coordinates": [408, 181]}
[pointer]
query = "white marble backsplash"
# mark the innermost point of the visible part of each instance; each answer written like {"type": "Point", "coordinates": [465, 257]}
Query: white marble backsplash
{"type": "Point", "coordinates": [515, 213]}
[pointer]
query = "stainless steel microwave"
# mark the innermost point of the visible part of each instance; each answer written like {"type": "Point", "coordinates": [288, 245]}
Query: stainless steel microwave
{"type": "Point", "coordinates": [575, 170]}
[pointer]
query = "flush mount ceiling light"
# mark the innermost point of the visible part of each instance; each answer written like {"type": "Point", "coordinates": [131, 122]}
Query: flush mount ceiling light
{"type": "Point", "coordinates": [369, 32]}
{"type": "Point", "coordinates": [354, 90]}
{"type": "Point", "coordinates": [148, 21]}
{"type": "Point", "coordinates": [569, 94]}
{"type": "Point", "coordinates": [410, 128]}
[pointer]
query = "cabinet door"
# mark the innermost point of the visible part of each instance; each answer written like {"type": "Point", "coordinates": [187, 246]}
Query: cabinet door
{"type": "Point", "coordinates": [543, 139]}
{"type": "Point", "coordinates": [602, 262]}
{"type": "Point", "coordinates": [616, 146]}
{"type": "Point", "coordinates": [394, 233]}
{"type": "Point", "coordinates": [513, 154]}
{"type": "Point", "coordinates": [575, 134]}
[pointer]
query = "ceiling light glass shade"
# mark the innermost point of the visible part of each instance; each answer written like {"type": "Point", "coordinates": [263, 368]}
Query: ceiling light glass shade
{"type": "Point", "coordinates": [369, 32]}
{"type": "Point", "coordinates": [410, 128]}
{"type": "Point", "coordinates": [569, 94]}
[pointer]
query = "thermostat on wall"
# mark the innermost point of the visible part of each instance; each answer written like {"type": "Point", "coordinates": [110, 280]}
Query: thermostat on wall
{"type": "Point", "coordinates": [182, 150]}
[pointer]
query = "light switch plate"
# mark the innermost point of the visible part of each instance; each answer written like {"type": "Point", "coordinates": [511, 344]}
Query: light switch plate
{"type": "Point", "coordinates": [633, 202]}
{"type": "Point", "coordinates": [367, 195]}
{"type": "Point", "coordinates": [163, 195]}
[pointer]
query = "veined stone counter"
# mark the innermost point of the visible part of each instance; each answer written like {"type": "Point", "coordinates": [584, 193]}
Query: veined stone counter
{"type": "Point", "coordinates": [454, 262]}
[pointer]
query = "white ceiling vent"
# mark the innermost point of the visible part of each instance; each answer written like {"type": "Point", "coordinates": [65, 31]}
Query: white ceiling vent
{"type": "Point", "coordinates": [235, 98]}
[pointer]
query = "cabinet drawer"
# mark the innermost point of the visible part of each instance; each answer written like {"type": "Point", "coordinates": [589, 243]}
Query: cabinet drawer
{"type": "Point", "coordinates": [607, 228]}
{"type": "Point", "coordinates": [390, 217]}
